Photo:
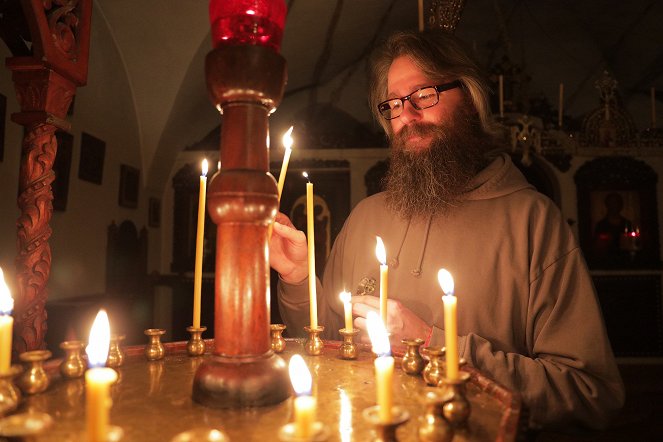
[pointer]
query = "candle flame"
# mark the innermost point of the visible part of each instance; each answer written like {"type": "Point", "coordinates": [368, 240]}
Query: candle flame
{"type": "Point", "coordinates": [287, 139]}
{"type": "Point", "coordinates": [99, 341]}
{"type": "Point", "coordinates": [345, 296]}
{"type": "Point", "coordinates": [446, 281]}
{"type": "Point", "coordinates": [380, 252]}
{"type": "Point", "coordinates": [6, 300]}
{"type": "Point", "coordinates": [305, 175]}
{"type": "Point", "coordinates": [205, 167]}
{"type": "Point", "coordinates": [378, 334]}
{"type": "Point", "coordinates": [300, 376]}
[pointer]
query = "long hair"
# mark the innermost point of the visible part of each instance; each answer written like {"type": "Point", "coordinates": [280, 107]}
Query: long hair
{"type": "Point", "coordinates": [440, 56]}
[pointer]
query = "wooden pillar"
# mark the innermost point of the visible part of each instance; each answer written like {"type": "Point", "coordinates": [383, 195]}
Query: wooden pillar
{"type": "Point", "coordinates": [45, 85]}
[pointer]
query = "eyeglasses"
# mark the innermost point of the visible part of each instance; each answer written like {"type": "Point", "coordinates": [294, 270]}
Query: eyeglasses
{"type": "Point", "coordinates": [422, 98]}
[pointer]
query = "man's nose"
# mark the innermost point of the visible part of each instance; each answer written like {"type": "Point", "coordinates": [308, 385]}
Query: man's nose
{"type": "Point", "coordinates": [409, 113]}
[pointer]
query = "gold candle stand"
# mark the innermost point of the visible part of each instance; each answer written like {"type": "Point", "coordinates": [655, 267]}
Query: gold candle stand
{"type": "Point", "coordinates": [348, 349]}
{"type": "Point", "coordinates": [314, 345]}
{"type": "Point", "coordinates": [413, 363]}
{"type": "Point", "coordinates": [115, 352]}
{"type": "Point", "coordinates": [288, 433]}
{"type": "Point", "coordinates": [434, 370]}
{"type": "Point", "coordinates": [154, 349]}
{"type": "Point", "coordinates": [196, 346]}
{"type": "Point", "coordinates": [73, 365]}
{"type": "Point", "coordinates": [34, 379]}
{"type": "Point", "coordinates": [10, 395]}
{"type": "Point", "coordinates": [25, 426]}
{"type": "Point", "coordinates": [385, 431]}
{"type": "Point", "coordinates": [277, 343]}
{"type": "Point", "coordinates": [433, 426]}
{"type": "Point", "coordinates": [456, 408]}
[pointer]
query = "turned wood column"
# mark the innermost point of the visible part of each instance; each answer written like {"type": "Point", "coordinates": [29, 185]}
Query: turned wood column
{"type": "Point", "coordinates": [45, 84]}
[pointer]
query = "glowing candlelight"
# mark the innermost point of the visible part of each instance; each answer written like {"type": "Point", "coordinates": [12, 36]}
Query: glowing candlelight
{"type": "Point", "coordinates": [305, 403]}
{"type": "Point", "coordinates": [450, 326]}
{"type": "Point", "coordinates": [347, 310]}
{"type": "Point", "coordinates": [381, 254]}
{"type": "Point", "coordinates": [198, 269]}
{"type": "Point", "coordinates": [384, 366]}
{"type": "Point", "coordinates": [98, 380]}
{"type": "Point", "coordinates": [310, 234]}
{"type": "Point", "coordinates": [287, 144]}
{"type": "Point", "coordinates": [501, 94]}
{"type": "Point", "coordinates": [6, 325]}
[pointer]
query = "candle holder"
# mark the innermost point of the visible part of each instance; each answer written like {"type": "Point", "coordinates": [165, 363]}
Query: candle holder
{"type": "Point", "coordinates": [73, 365]}
{"type": "Point", "coordinates": [196, 346]}
{"type": "Point", "coordinates": [385, 431]}
{"type": "Point", "coordinates": [25, 426]}
{"type": "Point", "coordinates": [10, 396]}
{"type": "Point", "coordinates": [155, 350]}
{"type": "Point", "coordinates": [314, 344]}
{"type": "Point", "coordinates": [278, 343]}
{"type": "Point", "coordinates": [34, 379]}
{"type": "Point", "coordinates": [348, 349]}
{"type": "Point", "coordinates": [434, 370]}
{"type": "Point", "coordinates": [413, 363]}
{"type": "Point", "coordinates": [115, 352]}
{"type": "Point", "coordinates": [201, 435]}
{"type": "Point", "coordinates": [456, 408]}
{"type": "Point", "coordinates": [433, 426]}
{"type": "Point", "coordinates": [288, 433]}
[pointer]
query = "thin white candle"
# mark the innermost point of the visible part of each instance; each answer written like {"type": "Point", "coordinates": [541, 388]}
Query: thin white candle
{"type": "Point", "coordinates": [287, 144]}
{"type": "Point", "coordinates": [6, 325]}
{"type": "Point", "coordinates": [305, 403]}
{"type": "Point", "coordinates": [381, 254]}
{"type": "Point", "coordinates": [384, 366]}
{"type": "Point", "coordinates": [200, 235]}
{"type": "Point", "coordinates": [347, 310]}
{"type": "Point", "coordinates": [450, 326]}
{"type": "Point", "coordinates": [310, 233]}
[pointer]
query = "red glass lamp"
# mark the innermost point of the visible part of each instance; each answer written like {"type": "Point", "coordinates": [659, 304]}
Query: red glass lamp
{"type": "Point", "coordinates": [252, 22]}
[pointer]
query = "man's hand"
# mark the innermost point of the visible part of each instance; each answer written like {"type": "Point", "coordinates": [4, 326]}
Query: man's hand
{"type": "Point", "coordinates": [401, 322]}
{"type": "Point", "coordinates": [288, 250]}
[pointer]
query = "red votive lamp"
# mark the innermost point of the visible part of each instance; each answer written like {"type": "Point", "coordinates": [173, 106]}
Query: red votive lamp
{"type": "Point", "coordinates": [247, 22]}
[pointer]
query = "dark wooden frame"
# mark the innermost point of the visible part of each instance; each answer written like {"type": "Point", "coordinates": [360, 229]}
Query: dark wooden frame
{"type": "Point", "coordinates": [91, 166]}
{"type": "Point", "coordinates": [129, 186]}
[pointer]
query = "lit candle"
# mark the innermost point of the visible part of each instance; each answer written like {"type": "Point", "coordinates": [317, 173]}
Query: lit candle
{"type": "Point", "coordinates": [501, 94]}
{"type": "Point", "coordinates": [6, 325]}
{"type": "Point", "coordinates": [381, 254]}
{"type": "Point", "coordinates": [347, 309]}
{"type": "Point", "coordinates": [560, 111]}
{"type": "Point", "coordinates": [310, 226]}
{"type": "Point", "coordinates": [198, 269]}
{"type": "Point", "coordinates": [384, 366]}
{"type": "Point", "coordinates": [305, 403]}
{"type": "Point", "coordinates": [652, 94]}
{"type": "Point", "coordinates": [287, 144]}
{"type": "Point", "coordinates": [450, 327]}
{"type": "Point", "coordinates": [421, 15]}
{"type": "Point", "coordinates": [98, 380]}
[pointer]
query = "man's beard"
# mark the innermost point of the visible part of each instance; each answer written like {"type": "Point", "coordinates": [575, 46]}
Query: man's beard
{"type": "Point", "coordinates": [431, 180]}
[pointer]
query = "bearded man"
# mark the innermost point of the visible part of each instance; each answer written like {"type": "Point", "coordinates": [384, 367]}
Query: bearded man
{"type": "Point", "coordinates": [528, 314]}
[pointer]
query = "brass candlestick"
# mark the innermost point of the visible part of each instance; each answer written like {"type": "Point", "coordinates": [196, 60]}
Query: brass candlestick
{"type": "Point", "coordinates": [10, 396]}
{"type": "Point", "coordinates": [348, 349]}
{"type": "Point", "coordinates": [34, 379]}
{"type": "Point", "coordinates": [385, 431]}
{"type": "Point", "coordinates": [115, 352]}
{"type": "Point", "coordinates": [196, 346]}
{"type": "Point", "coordinates": [433, 426]}
{"type": "Point", "coordinates": [314, 344]}
{"type": "Point", "coordinates": [155, 350]}
{"type": "Point", "coordinates": [278, 343]}
{"type": "Point", "coordinates": [456, 408]}
{"type": "Point", "coordinates": [319, 433]}
{"type": "Point", "coordinates": [73, 365]}
{"type": "Point", "coordinates": [413, 363]}
{"type": "Point", "coordinates": [434, 371]}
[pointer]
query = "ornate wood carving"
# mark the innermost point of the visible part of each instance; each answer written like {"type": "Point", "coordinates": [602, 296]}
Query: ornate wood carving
{"type": "Point", "coordinates": [45, 85]}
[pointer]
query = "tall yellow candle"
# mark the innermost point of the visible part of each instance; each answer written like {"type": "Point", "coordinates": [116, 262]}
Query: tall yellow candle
{"type": "Point", "coordinates": [381, 254]}
{"type": "Point", "coordinates": [501, 94]}
{"type": "Point", "coordinates": [98, 380]}
{"type": "Point", "coordinates": [287, 144]}
{"type": "Point", "coordinates": [384, 366]}
{"type": "Point", "coordinates": [305, 403]}
{"type": "Point", "coordinates": [560, 110]}
{"type": "Point", "coordinates": [450, 325]}
{"type": "Point", "coordinates": [347, 310]}
{"type": "Point", "coordinates": [200, 235]}
{"type": "Point", "coordinates": [310, 233]}
{"type": "Point", "coordinates": [6, 325]}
